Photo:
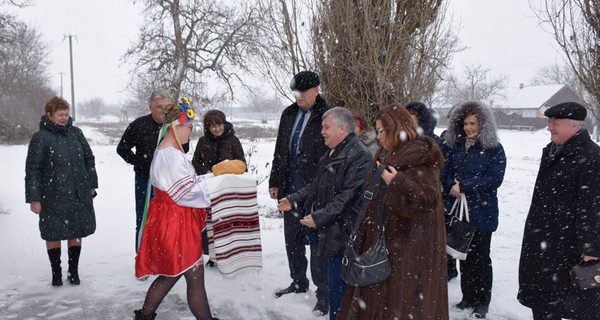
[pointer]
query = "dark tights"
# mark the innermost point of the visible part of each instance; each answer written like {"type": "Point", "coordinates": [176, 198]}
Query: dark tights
{"type": "Point", "coordinates": [196, 293]}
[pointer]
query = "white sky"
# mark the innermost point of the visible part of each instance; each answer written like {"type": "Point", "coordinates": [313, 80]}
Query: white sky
{"type": "Point", "coordinates": [500, 34]}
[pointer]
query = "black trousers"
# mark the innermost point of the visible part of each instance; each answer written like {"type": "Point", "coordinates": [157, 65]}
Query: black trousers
{"type": "Point", "coordinates": [296, 254]}
{"type": "Point", "coordinates": [476, 271]}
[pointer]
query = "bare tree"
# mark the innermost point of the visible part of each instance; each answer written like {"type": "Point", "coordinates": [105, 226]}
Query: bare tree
{"type": "Point", "coordinates": [183, 43]}
{"type": "Point", "coordinates": [576, 28]}
{"type": "Point", "coordinates": [24, 84]}
{"type": "Point", "coordinates": [16, 3]}
{"type": "Point", "coordinates": [376, 52]}
{"type": "Point", "coordinates": [264, 105]}
{"type": "Point", "coordinates": [92, 108]}
{"type": "Point", "coordinates": [475, 83]}
{"type": "Point", "coordinates": [285, 46]}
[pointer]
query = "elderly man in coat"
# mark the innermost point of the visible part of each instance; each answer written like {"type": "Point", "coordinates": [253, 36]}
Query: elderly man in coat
{"type": "Point", "coordinates": [332, 194]}
{"type": "Point", "coordinates": [563, 224]}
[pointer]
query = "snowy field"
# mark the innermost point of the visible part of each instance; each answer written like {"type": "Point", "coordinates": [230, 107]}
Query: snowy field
{"type": "Point", "coordinates": [109, 289]}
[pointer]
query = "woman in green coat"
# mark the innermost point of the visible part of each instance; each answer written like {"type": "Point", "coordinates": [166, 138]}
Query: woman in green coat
{"type": "Point", "coordinates": [60, 182]}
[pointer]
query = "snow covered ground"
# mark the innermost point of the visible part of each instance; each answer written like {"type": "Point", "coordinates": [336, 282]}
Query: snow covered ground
{"type": "Point", "coordinates": [109, 289]}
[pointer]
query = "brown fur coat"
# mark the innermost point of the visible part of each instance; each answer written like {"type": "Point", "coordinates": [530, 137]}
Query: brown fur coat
{"type": "Point", "coordinates": [415, 237]}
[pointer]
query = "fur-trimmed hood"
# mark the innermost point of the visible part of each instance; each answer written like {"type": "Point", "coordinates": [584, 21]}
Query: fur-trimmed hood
{"type": "Point", "coordinates": [488, 136]}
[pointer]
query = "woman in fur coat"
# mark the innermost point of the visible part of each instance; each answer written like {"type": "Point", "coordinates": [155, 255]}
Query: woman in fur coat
{"type": "Point", "coordinates": [414, 227]}
{"type": "Point", "coordinates": [475, 166]}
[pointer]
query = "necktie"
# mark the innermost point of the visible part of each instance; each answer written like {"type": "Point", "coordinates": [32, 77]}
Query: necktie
{"type": "Point", "coordinates": [296, 136]}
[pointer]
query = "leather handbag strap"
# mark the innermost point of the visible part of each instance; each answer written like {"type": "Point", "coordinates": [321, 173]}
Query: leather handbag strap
{"type": "Point", "coordinates": [367, 197]}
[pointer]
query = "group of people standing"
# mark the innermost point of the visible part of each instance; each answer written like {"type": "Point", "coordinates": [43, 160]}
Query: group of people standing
{"type": "Point", "coordinates": [324, 157]}
{"type": "Point", "coordinates": [318, 191]}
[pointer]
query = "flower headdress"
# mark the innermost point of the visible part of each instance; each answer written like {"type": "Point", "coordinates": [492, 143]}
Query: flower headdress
{"type": "Point", "coordinates": [186, 111]}
{"type": "Point", "coordinates": [181, 113]}
{"type": "Point", "coordinates": [175, 115]}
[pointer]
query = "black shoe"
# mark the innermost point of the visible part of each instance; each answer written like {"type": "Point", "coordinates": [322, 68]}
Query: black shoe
{"type": "Point", "coordinates": [480, 312]}
{"type": "Point", "coordinates": [322, 307]}
{"type": "Point", "coordinates": [73, 277]}
{"type": "Point", "coordinates": [293, 288]}
{"type": "Point", "coordinates": [465, 305]}
{"type": "Point", "coordinates": [139, 316]}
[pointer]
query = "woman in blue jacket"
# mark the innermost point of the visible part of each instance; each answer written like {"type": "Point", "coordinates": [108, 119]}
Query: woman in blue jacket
{"type": "Point", "coordinates": [475, 166]}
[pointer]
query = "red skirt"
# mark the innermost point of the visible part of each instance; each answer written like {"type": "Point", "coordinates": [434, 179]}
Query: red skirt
{"type": "Point", "coordinates": [171, 241]}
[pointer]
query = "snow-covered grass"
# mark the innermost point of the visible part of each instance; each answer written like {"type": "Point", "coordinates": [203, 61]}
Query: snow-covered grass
{"type": "Point", "coordinates": [109, 289]}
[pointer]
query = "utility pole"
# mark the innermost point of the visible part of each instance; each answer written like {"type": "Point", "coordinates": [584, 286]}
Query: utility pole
{"type": "Point", "coordinates": [61, 84]}
{"type": "Point", "coordinates": [70, 36]}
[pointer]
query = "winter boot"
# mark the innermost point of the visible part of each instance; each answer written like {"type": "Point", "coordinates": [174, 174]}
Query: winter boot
{"type": "Point", "coordinates": [54, 255]}
{"type": "Point", "coordinates": [139, 316]}
{"type": "Point", "coordinates": [73, 274]}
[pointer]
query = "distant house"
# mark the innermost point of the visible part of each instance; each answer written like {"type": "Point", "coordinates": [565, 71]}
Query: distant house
{"type": "Point", "coordinates": [524, 108]}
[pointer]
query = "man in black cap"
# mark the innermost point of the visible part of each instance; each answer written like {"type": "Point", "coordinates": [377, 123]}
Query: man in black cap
{"type": "Point", "coordinates": [563, 224]}
{"type": "Point", "coordinates": [298, 148]}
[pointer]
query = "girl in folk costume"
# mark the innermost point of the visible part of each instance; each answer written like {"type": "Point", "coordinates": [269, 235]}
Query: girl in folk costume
{"type": "Point", "coordinates": [171, 244]}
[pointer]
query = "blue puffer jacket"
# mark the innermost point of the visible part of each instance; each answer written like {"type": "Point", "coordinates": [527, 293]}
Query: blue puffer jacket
{"type": "Point", "coordinates": [480, 173]}
{"type": "Point", "coordinates": [480, 169]}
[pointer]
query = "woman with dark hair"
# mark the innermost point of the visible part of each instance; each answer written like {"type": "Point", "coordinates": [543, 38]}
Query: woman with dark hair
{"type": "Point", "coordinates": [218, 143]}
{"type": "Point", "coordinates": [414, 227]}
{"type": "Point", "coordinates": [424, 118]}
{"type": "Point", "coordinates": [60, 182]}
{"type": "Point", "coordinates": [475, 166]}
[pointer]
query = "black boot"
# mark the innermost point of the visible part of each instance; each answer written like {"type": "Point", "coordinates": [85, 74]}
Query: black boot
{"type": "Point", "coordinates": [139, 316]}
{"type": "Point", "coordinates": [54, 255]}
{"type": "Point", "coordinates": [73, 274]}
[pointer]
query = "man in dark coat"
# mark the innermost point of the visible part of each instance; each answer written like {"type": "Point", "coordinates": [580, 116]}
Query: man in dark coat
{"type": "Point", "coordinates": [298, 148]}
{"type": "Point", "coordinates": [142, 135]}
{"type": "Point", "coordinates": [563, 224]}
{"type": "Point", "coordinates": [332, 195]}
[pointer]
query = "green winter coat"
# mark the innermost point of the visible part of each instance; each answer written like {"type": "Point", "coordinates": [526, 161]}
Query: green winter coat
{"type": "Point", "coordinates": [60, 173]}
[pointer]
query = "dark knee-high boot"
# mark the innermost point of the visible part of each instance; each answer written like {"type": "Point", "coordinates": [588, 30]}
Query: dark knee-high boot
{"type": "Point", "coordinates": [73, 274]}
{"type": "Point", "coordinates": [54, 255]}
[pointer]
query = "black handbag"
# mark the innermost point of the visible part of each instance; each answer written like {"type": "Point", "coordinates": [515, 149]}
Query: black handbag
{"type": "Point", "coordinates": [459, 233]}
{"type": "Point", "coordinates": [373, 265]}
{"type": "Point", "coordinates": [586, 275]}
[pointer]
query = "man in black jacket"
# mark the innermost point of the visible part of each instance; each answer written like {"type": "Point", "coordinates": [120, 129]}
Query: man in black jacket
{"type": "Point", "coordinates": [563, 224]}
{"type": "Point", "coordinates": [142, 134]}
{"type": "Point", "coordinates": [298, 148]}
{"type": "Point", "coordinates": [332, 194]}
